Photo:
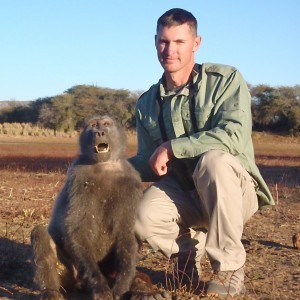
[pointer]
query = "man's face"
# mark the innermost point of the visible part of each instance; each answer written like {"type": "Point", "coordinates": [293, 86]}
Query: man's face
{"type": "Point", "coordinates": [176, 46]}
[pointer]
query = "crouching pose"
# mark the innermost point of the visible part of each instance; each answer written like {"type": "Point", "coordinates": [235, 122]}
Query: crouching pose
{"type": "Point", "coordinates": [194, 141]}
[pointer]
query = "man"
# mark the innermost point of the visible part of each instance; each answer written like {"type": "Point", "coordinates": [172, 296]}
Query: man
{"type": "Point", "coordinates": [194, 142]}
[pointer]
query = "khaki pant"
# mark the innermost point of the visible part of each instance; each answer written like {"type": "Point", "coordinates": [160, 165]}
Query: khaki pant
{"type": "Point", "coordinates": [210, 218]}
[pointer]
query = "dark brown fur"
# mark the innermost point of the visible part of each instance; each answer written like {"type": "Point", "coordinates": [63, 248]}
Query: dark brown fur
{"type": "Point", "coordinates": [90, 238]}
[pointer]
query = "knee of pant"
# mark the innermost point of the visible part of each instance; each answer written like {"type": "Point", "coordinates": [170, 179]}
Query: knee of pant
{"type": "Point", "coordinates": [212, 162]}
{"type": "Point", "coordinates": [145, 219]}
{"type": "Point", "coordinates": [146, 215]}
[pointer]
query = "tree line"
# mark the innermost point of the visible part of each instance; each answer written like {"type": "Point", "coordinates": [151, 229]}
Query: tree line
{"type": "Point", "coordinates": [274, 109]}
{"type": "Point", "coordinates": [67, 111]}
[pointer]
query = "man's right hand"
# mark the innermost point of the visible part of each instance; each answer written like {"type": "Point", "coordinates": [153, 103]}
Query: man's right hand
{"type": "Point", "coordinates": [160, 157]}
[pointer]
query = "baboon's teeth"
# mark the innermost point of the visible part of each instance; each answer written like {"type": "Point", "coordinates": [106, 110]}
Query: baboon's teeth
{"type": "Point", "coordinates": [102, 148]}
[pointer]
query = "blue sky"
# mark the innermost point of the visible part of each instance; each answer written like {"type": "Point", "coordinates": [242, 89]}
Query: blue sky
{"type": "Point", "coordinates": [48, 46]}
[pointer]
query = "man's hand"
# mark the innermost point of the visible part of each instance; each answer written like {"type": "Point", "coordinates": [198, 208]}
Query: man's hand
{"type": "Point", "coordinates": [160, 157]}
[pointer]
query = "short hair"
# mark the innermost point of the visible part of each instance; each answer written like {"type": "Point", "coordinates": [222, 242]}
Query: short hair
{"type": "Point", "coordinates": [175, 17]}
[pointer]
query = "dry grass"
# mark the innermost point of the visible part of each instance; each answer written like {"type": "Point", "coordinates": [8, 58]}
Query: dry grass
{"type": "Point", "coordinates": [32, 171]}
{"type": "Point", "coordinates": [276, 146]}
{"type": "Point", "coordinates": [31, 130]}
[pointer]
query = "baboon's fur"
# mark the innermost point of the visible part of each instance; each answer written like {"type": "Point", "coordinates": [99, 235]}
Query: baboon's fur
{"type": "Point", "coordinates": [90, 239]}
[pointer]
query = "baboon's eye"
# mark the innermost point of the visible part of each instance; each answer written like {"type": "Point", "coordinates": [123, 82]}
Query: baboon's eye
{"type": "Point", "coordinates": [94, 124]}
{"type": "Point", "coordinates": [106, 123]}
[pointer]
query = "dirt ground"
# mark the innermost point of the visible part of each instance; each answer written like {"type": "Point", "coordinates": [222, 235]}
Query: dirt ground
{"type": "Point", "coordinates": [29, 185]}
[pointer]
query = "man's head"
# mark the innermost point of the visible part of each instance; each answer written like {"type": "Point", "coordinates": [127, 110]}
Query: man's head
{"type": "Point", "coordinates": [175, 17]}
{"type": "Point", "coordinates": [176, 41]}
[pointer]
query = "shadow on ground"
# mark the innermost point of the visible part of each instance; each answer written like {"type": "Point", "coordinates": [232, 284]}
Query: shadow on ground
{"type": "Point", "coordinates": [16, 271]}
{"type": "Point", "coordinates": [35, 164]}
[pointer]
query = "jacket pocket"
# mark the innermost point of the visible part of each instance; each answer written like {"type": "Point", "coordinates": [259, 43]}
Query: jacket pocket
{"type": "Point", "coordinates": [201, 118]}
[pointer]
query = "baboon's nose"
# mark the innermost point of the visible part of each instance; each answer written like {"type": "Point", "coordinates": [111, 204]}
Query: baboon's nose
{"type": "Point", "coordinates": [101, 133]}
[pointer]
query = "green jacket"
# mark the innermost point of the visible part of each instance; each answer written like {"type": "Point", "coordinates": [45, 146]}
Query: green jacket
{"type": "Point", "coordinates": [221, 110]}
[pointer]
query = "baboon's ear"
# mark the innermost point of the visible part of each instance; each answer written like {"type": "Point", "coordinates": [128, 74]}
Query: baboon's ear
{"type": "Point", "coordinates": [81, 126]}
{"type": "Point", "coordinates": [80, 130]}
{"type": "Point", "coordinates": [85, 122]}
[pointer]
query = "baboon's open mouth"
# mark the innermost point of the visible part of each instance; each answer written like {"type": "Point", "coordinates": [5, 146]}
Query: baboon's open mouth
{"type": "Point", "coordinates": [102, 147]}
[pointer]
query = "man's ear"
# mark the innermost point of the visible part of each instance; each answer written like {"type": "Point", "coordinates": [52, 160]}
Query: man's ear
{"type": "Point", "coordinates": [197, 43]}
{"type": "Point", "coordinates": [155, 37]}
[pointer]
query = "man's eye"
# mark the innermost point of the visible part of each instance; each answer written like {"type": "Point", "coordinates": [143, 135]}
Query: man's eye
{"type": "Point", "coordinates": [163, 42]}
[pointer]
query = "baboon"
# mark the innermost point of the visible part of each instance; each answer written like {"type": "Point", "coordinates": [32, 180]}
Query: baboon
{"type": "Point", "coordinates": [90, 239]}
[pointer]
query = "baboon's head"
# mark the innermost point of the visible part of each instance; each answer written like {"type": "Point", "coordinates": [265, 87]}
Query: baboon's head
{"type": "Point", "coordinates": [102, 140]}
